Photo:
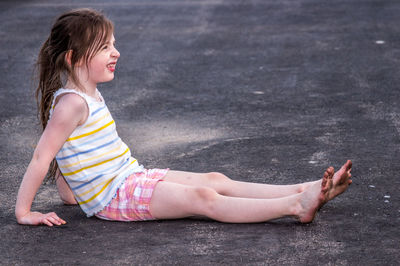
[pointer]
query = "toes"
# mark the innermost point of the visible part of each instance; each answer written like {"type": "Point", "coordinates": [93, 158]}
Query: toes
{"type": "Point", "coordinates": [324, 180]}
{"type": "Point", "coordinates": [348, 165]}
{"type": "Point", "coordinates": [327, 179]}
{"type": "Point", "coordinates": [330, 172]}
{"type": "Point", "coordinates": [326, 174]}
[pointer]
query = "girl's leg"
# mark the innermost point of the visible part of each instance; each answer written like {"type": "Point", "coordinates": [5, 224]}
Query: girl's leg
{"type": "Point", "coordinates": [172, 200]}
{"type": "Point", "coordinates": [225, 186]}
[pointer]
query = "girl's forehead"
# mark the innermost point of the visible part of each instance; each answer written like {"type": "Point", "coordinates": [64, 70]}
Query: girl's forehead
{"type": "Point", "coordinates": [112, 38]}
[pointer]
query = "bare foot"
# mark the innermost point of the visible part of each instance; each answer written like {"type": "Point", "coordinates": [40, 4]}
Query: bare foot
{"type": "Point", "coordinates": [341, 180]}
{"type": "Point", "coordinates": [314, 197]}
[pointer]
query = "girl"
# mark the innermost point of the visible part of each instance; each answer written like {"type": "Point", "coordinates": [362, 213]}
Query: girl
{"type": "Point", "coordinates": [95, 169]}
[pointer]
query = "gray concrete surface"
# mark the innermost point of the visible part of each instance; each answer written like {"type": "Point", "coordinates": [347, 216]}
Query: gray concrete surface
{"type": "Point", "coordinates": [264, 91]}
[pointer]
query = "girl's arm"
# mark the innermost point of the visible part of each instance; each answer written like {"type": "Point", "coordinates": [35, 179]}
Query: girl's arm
{"type": "Point", "coordinates": [64, 190]}
{"type": "Point", "coordinates": [70, 112]}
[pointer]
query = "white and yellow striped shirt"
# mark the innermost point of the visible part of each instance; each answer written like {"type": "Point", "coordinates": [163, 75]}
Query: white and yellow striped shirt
{"type": "Point", "coordinates": [94, 160]}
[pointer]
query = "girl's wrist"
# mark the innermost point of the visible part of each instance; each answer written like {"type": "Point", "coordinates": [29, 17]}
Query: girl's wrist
{"type": "Point", "coordinates": [19, 214]}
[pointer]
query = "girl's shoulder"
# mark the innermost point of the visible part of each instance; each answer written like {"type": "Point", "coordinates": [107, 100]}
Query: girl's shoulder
{"type": "Point", "coordinates": [87, 98]}
{"type": "Point", "coordinates": [90, 101]}
{"type": "Point", "coordinates": [69, 113]}
{"type": "Point", "coordinates": [74, 99]}
{"type": "Point", "coordinates": [70, 102]}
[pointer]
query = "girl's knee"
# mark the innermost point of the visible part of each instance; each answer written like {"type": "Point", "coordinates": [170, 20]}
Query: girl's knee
{"type": "Point", "coordinates": [204, 194]}
{"type": "Point", "coordinates": [204, 198]}
{"type": "Point", "coordinates": [217, 177]}
{"type": "Point", "coordinates": [220, 182]}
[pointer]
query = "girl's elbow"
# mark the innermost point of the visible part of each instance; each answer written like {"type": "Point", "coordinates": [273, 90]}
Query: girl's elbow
{"type": "Point", "coordinates": [67, 198]}
{"type": "Point", "coordinates": [69, 201]}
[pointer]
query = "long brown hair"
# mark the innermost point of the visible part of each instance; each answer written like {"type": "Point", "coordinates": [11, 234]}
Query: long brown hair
{"type": "Point", "coordinates": [80, 32]}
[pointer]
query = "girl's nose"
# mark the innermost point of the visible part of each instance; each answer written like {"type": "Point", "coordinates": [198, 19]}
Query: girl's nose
{"type": "Point", "coordinates": [115, 53]}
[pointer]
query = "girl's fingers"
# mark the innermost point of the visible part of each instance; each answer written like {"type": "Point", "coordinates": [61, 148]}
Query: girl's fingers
{"type": "Point", "coordinates": [46, 222]}
{"type": "Point", "coordinates": [61, 220]}
{"type": "Point", "coordinates": [52, 219]}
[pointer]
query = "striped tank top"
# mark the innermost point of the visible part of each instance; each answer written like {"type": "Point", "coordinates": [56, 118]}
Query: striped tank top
{"type": "Point", "coordinates": [94, 160]}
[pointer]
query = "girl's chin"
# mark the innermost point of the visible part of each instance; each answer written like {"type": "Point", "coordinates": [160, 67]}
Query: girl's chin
{"type": "Point", "coordinates": [108, 78]}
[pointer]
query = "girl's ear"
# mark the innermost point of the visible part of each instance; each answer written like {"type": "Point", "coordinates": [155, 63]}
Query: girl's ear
{"type": "Point", "coordinates": [68, 57]}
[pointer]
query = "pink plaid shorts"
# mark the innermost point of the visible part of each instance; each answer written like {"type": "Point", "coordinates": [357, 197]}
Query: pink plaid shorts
{"type": "Point", "coordinates": [132, 200]}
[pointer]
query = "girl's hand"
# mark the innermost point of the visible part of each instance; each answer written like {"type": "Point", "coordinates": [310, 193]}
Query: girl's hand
{"type": "Point", "coordinates": [37, 218]}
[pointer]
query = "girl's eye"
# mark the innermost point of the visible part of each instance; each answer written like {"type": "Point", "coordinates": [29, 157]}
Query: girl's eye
{"type": "Point", "coordinates": [105, 47]}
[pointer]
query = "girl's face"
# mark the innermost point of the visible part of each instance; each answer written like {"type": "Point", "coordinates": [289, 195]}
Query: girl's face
{"type": "Point", "coordinates": [102, 66]}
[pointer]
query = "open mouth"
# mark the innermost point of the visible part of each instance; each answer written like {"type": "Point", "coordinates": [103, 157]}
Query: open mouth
{"type": "Point", "coordinates": [111, 67]}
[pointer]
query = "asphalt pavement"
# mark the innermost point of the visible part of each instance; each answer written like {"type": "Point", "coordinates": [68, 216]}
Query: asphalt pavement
{"type": "Point", "coordinates": [263, 91]}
